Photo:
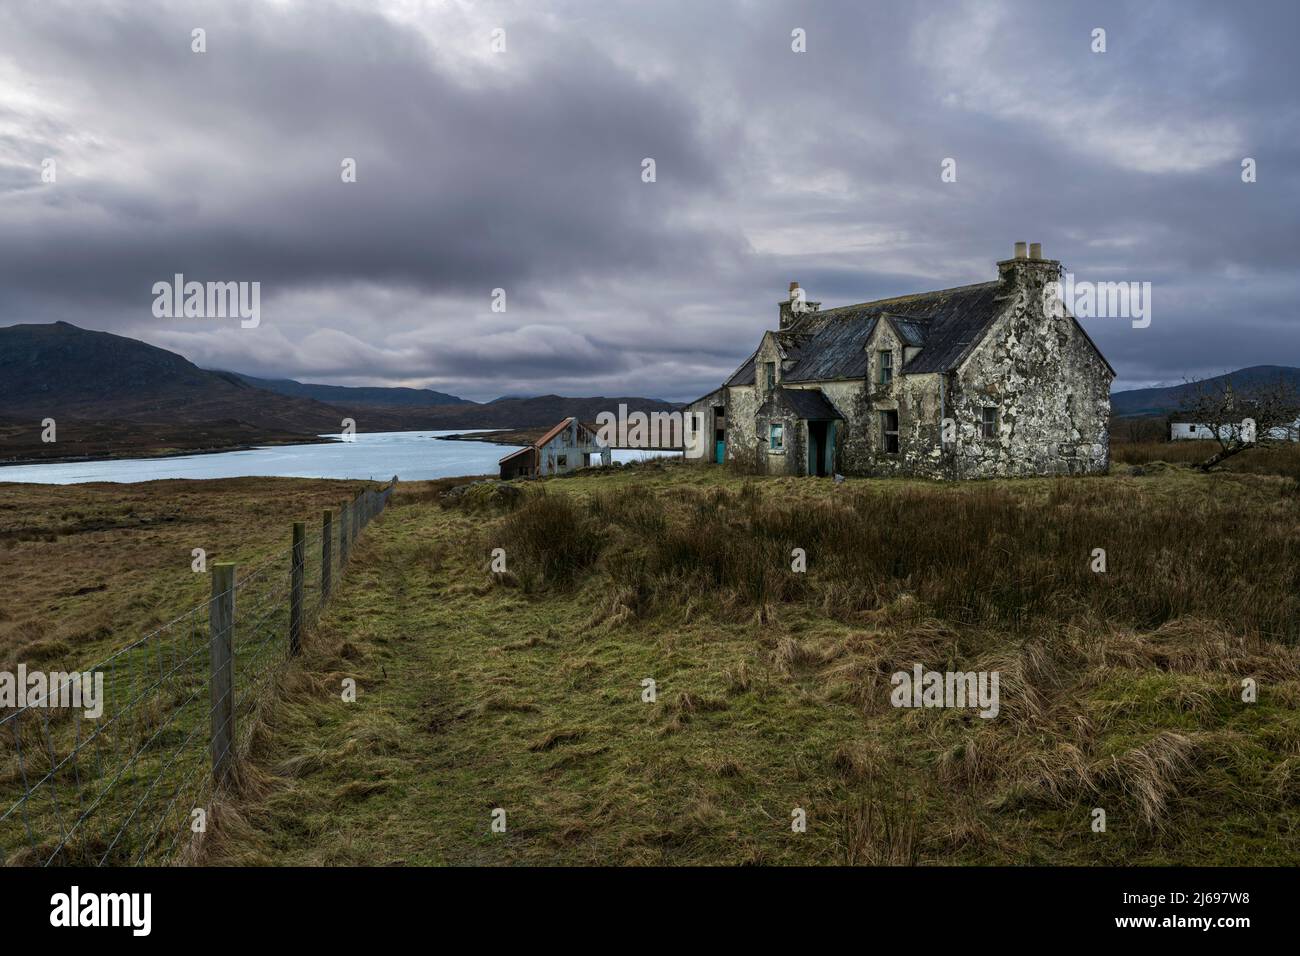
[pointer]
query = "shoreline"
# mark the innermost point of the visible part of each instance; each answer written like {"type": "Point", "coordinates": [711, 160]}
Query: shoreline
{"type": "Point", "coordinates": [498, 436]}
{"type": "Point", "coordinates": [159, 456]}
{"type": "Point", "coordinates": [526, 436]}
{"type": "Point", "coordinates": [511, 438]}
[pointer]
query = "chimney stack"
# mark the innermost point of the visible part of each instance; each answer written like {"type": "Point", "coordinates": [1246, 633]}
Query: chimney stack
{"type": "Point", "coordinates": [795, 306]}
{"type": "Point", "coordinates": [1027, 270]}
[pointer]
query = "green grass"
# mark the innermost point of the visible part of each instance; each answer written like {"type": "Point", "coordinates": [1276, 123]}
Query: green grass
{"type": "Point", "coordinates": [94, 570]}
{"type": "Point", "coordinates": [524, 690]}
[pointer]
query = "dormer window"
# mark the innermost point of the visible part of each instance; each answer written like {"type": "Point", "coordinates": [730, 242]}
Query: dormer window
{"type": "Point", "coordinates": [886, 367]}
{"type": "Point", "coordinates": [769, 376]}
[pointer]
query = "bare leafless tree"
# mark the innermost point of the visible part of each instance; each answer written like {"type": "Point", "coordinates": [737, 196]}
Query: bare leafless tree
{"type": "Point", "coordinates": [1239, 419]}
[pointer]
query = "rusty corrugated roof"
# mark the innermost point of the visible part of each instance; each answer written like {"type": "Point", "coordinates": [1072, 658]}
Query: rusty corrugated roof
{"type": "Point", "coordinates": [541, 442]}
{"type": "Point", "coordinates": [515, 454]}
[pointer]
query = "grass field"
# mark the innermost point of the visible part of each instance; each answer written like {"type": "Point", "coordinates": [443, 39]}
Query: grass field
{"type": "Point", "coordinates": [523, 690]}
{"type": "Point", "coordinates": [91, 567]}
{"type": "Point", "coordinates": [101, 576]}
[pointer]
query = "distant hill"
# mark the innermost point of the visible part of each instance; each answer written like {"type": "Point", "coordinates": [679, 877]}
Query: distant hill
{"type": "Point", "coordinates": [1166, 399]}
{"type": "Point", "coordinates": [349, 394]}
{"type": "Point", "coordinates": [61, 370]}
{"type": "Point", "coordinates": [114, 396]}
{"type": "Point", "coordinates": [530, 412]}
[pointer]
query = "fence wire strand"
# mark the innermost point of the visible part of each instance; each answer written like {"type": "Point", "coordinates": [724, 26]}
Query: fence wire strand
{"type": "Point", "coordinates": [117, 777]}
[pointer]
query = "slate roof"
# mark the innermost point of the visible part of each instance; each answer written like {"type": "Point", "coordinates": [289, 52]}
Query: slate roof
{"type": "Point", "coordinates": [810, 404]}
{"type": "Point", "coordinates": [745, 374]}
{"type": "Point", "coordinates": [830, 344]}
{"type": "Point", "coordinates": [911, 329]}
{"type": "Point", "coordinates": [945, 324]}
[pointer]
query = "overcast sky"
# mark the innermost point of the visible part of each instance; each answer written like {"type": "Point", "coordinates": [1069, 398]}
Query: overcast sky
{"type": "Point", "coordinates": [522, 170]}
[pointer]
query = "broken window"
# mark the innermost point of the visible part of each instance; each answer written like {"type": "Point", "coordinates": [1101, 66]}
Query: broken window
{"type": "Point", "coordinates": [886, 367]}
{"type": "Point", "coordinates": [776, 437]}
{"type": "Point", "coordinates": [989, 422]}
{"type": "Point", "coordinates": [562, 461]}
{"type": "Point", "coordinates": [889, 432]}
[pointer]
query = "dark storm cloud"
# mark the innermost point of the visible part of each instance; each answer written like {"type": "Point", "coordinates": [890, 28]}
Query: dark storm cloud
{"type": "Point", "coordinates": [522, 171]}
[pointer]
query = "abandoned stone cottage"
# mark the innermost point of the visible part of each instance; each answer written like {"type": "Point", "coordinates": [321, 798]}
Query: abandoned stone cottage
{"type": "Point", "coordinates": [978, 381]}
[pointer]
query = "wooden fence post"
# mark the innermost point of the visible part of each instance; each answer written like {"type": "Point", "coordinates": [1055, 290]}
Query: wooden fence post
{"type": "Point", "coordinates": [295, 588]}
{"type": "Point", "coordinates": [326, 552]}
{"type": "Point", "coordinates": [221, 683]}
{"type": "Point", "coordinates": [343, 536]}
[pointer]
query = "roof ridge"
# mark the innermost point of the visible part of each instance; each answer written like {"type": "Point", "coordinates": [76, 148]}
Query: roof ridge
{"type": "Point", "coordinates": [905, 298]}
{"type": "Point", "coordinates": [555, 430]}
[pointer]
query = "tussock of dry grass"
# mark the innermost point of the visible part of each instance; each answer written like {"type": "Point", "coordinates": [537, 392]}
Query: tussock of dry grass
{"type": "Point", "coordinates": [1119, 691]}
{"type": "Point", "coordinates": [1280, 459]}
{"type": "Point", "coordinates": [876, 833]}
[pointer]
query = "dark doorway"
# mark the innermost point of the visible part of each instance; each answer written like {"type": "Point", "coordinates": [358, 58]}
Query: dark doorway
{"type": "Point", "coordinates": [817, 448]}
{"type": "Point", "coordinates": [719, 434]}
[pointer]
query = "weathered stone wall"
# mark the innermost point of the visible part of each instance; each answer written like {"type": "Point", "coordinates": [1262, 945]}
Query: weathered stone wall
{"type": "Point", "coordinates": [793, 458]}
{"type": "Point", "coordinates": [1051, 390]}
{"type": "Point", "coordinates": [704, 408]}
{"type": "Point", "coordinates": [850, 434]}
{"type": "Point", "coordinates": [914, 397]}
{"type": "Point", "coordinates": [742, 406]}
{"type": "Point", "coordinates": [768, 351]}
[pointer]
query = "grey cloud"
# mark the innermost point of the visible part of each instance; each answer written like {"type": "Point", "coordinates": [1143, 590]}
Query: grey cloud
{"type": "Point", "coordinates": [524, 173]}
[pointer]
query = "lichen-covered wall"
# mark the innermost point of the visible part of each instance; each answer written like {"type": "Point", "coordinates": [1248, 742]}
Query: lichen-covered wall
{"type": "Point", "coordinates": [850, 434]}
{"type": "Point", "coordinates": [742, 406]}
{"type": "Point", "coordinates": [792, 459]}
{"type": "Point", "coordinates": [914, 397]}
{"type": "Point", "coordinates": [1050, 388]}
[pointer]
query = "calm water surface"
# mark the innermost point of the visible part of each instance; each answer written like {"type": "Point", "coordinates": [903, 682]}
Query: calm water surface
{"type": "Point", "coordinates": [411, 456]}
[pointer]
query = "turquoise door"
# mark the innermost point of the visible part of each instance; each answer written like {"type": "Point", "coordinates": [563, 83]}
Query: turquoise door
{"type": "Point", "coordinates": [720, 451]}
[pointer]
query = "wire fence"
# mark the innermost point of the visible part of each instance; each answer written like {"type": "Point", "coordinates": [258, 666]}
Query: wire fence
{"type": "Point", "coordinates": [117, 765]}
